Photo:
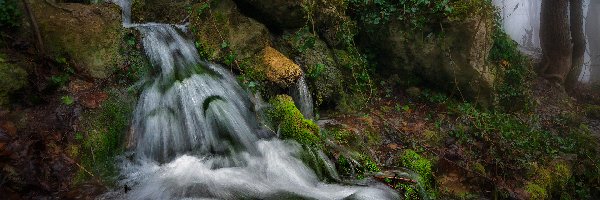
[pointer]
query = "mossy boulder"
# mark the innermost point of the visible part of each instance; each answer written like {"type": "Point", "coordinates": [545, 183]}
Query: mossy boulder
{"type": "Point", "coordinates": [280, 69]}
{"type": "Point", "coordinates": [12, 78]}
{"type": "Point", "coordinates": [455, 60]}
{"type": "Point", "coordinates": [290, 122]}
{"type": "Point", "coordinates": [222, 32]}
{"type": "Point", "coordinates": [318, 62]}
{"type": "Point", "coordinates": [163, 11]}
{"type": "Point", "coordinates": [89, 36]}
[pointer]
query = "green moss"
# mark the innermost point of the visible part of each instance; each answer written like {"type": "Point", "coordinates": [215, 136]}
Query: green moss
{"type": "Point", "coordinates": [413, 161]}
{"type": "Point", "coordinates": [549, 180]}
{"type": "Point", "coordinates": [12, 78]}
{"type": "Point", "coordinates": [423, 167]}
{"type": "Point", "coordinates": [536, 191]}
{"type": "Point", "coordinates": [593, 111]}
{"type": "Point", "coordinates": [291, 124]}
{"type": "Point", "coordinates": [103, 137]}
{"type": "Point", "coordinates": [10, 15]}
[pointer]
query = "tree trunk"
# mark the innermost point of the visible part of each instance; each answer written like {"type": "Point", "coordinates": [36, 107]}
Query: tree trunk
{"type": "Point", "coordinates": [578, 37]}
{"type": "Point", "coordinates": [555, 38]}
{"type": "Point", "coordinates": [592, 28]}
{"type": "Point", "coordinates": [36, 30]}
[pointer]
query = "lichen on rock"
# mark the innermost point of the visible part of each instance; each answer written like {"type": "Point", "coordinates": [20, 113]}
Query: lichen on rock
{"type": "Point", "coordinates": [280, 69]}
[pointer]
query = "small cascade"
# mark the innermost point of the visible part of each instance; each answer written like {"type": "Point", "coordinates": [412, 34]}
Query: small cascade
{"type": "Point", "coordinates": [196, 135]}
{"type": "Point", "coordinates": [302, 98]}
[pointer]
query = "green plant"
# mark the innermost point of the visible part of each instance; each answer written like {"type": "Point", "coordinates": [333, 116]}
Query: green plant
{"type": "Point", "coordinates": [67, 100]}
{"type": "Point", "coordinates": [10, 14]}
{"type": "Point", "coordinates": [513, 91]}
{"type": "Point", "coordinates": [423, 167]}
{"type": "Point", "coordinates": [416, 13]}
{"type": "Point", "coordinates": [12, 79]}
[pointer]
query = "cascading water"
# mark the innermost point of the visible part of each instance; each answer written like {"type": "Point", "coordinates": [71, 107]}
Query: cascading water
{"type": "Point", "coordinates": [195, 136]}
{"type": "Point", "coordinates": [302, 98]}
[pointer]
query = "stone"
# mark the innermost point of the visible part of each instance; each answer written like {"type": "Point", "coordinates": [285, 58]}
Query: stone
{"type": "Point", "coordinates": [223, 31]}
{"type": "Point", "coordinates": [90, 36]}
{"type": "Point", "coordinates": [456, 61]}
{"type": "Point", "coordinates": [280, 69]}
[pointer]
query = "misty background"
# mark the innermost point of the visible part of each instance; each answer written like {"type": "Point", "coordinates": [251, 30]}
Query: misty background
{"type": "Point", "coordinates": [521, 20]}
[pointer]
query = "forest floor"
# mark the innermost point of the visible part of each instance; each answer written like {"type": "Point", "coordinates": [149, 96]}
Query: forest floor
{"type": "Point", "coordinates": [465, 161]}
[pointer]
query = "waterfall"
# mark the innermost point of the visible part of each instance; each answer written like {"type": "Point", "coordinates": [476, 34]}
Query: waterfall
{"type": "Point", "coordinates": [195, 132]}
{"type": "Point", "coordinates": [302, 98]}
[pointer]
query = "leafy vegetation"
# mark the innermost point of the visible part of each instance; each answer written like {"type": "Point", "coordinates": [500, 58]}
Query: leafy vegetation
{"type": "Point", "coordinates": [10, 14]}
{"type": "Point", "coordinates": [513, 91]}
{"type": "Point", "coordinates": [417, 13]}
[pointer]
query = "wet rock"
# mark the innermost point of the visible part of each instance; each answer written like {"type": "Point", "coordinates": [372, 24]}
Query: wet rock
{"type": "Point", "coordinates": [224, 33]}
{"type": "Point", "coordinates": [89, 36]}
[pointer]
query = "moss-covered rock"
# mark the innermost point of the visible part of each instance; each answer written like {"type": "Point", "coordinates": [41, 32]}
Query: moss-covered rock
{"type": "Point", "coordinates": [454, 58]}
{"type": "Point", "coordinates": [222, 33]}
{"type": "Point", "coordinates": [89, 36]}
{"type": "Point", "coordinates": [280, 69]}
{"type": "Point", "coordinates": [291, 124]}
{"type": "Point", "coordinates": [318, 62]}
{"type": "Point", "coordinates": [12, 78]}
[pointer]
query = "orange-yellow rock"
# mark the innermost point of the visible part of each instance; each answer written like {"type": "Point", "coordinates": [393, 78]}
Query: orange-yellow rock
{"type": "Point", "coordinates": [279, 68]}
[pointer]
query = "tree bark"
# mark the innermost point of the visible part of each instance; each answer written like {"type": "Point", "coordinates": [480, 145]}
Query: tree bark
{"type": "Point", "coordinates": [592, 28]}
{"type": "Point", "coordinates": [36, 29]}
{"type": "Point", "coordinates": [578, 38]}
{"type": "Point", "coordinates": [555, 38]}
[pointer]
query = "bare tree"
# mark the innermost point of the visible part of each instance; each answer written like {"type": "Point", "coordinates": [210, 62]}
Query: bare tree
{"type": "Point", "coordinates": [578, 39]}
{"type": "Point", "coordinates": [555, 38]}
{"type": "Point", "coordinates": [592, 28]}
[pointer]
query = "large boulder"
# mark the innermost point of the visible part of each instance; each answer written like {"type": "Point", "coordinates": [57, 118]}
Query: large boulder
{"type": "Point", "coordinates": [221, 31]}
{"type": "Point", "coordinates": [223, 34]}
{"type": "Point", "coordinates": [456, 60]}
{"type": "Point", "coordinates": [88, 35]}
